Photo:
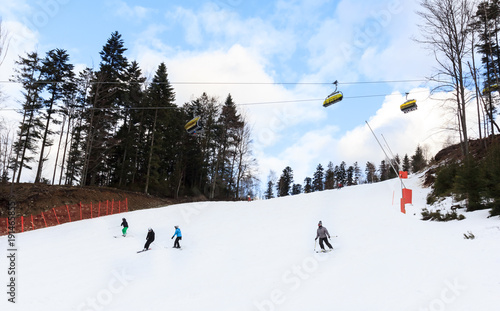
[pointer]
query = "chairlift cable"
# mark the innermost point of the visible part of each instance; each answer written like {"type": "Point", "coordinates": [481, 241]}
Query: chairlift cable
{"type": "Point", "coordinates": [215, 82]}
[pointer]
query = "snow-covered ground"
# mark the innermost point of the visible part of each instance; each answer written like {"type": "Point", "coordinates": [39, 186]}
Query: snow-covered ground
{"type": "Point", "coordinates": [260, 256]}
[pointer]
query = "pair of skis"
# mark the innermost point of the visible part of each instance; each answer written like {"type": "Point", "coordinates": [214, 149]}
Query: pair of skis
{"type": "Point", "coordinates": [179, 248]}
{"type": "Point", "coordinates": [323, 250]}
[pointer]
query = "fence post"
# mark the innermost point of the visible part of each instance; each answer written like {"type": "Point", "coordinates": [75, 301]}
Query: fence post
{"type": "Point", "coordinates": [107, 207]}
{"type": "Point", "coordinates": [99, 212]}
{"type": "Point", "coordinates": [112, 205]}
{"type": "Point", "coordinates": [44, 220]}
{"type": "Point", "coordinates": [22, 223]}
{"type": "Point", "coordinates": [119, 206]}
{"type": "Point", "coordinates": [69, 216]}
{"type": "Point", "coordinates": [126, 204]}
{"type": "Point", "coordinates": [81, 211]}
{"type": "Point", "coordinates": [32, 223]}
{"type": "Point", "coordinates": [56, 216]}
{"type": "Point", "coordinates": [91, 216]}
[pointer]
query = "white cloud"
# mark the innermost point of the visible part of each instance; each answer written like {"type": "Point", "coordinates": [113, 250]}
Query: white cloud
{"type": "Point", "coordinates": [135, 12]}
{"type": "Point", "coordinates": [213, 28]}
{"type": "Point", "coordinates": [21, 40]}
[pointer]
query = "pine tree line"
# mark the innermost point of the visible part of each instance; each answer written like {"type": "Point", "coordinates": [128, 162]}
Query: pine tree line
{"type": "Point", "coordinates": [338, 176]}
{"type": "Point", "coordinates": [112, 127]}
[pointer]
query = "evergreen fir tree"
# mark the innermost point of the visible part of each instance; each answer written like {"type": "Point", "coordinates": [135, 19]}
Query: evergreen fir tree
{"type": "Point", "coordinates": [164, 127]}
{"type": "Point", "coordinates": [490, 175]}
{"type": "Point", "coordinates": [229, 127]}
{"type": "Point", "coordinates": [296, 189]}
{"type": "Point", "coordinates": [285, 182]}
{"type": "Point", "coordinates": [383, 171]}
{"type": "Point", "coordinates": [271, 180]}
{"type": "Point", "coordinates": [204, 146]}
{"type": "Point", "coordinates": [122, 157]}
{"type": "Point", "coordinates": [486, 25]}
{"type": "Point", "coordinates": [77, 115]}
{"type": "Point", "coordinates": [107, 101]}
{"type": "Point", "coordinates": [268, 194]}
{"type": "Point", "coordinates": [350, 176]}
{"type": "Point", "coordinates": [57, 73]}
{"type": "Point", "coordinates": [308, 187]}
{"type": "Point", "coordinates": [371, 173]}
{"type": "Point", "coordinates": [406, 163]}
{"type": "Point", "coordinates": [318, 183]}
{"type": "Point", "coordinates": [393, 170]}
{"type": "Point", "coordinates": [330, 177]}
{"type": "Point", "coordinates": [418, 161]}
{"type": "Point", "coordinates": [30, 129]}
{"type": "Point", "coordinates": [341, 174]}
{"type": "Point", "coordinates": [468, 184]}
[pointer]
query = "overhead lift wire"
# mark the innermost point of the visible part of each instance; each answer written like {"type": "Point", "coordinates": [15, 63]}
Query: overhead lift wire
{"type": "Point", "coordinates": [219, 83]}
{"type": "Point", "coordinates": [242, 104]}
{"type": "Point", "coordinates": [233, 83]}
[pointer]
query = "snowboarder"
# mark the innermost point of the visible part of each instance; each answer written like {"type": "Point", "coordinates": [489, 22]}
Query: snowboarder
{"type": "Point", "coordinates": [149, 238]}
{"type": "Point", "coordinates": [323, 236]}
{"type": "Point", "coordinates": [125, 226]}
{"type": "Point", "coordinates": [179, 237]}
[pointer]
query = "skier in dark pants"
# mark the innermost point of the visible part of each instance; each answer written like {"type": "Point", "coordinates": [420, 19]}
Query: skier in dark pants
{"type": "Point", "coordinates": [149, 239]}
{"type": "Point", "coordinates": [125, 226]}
{"type": "Point", "coordinates": [179, 237]}
{"type": "Point", "coordinates": [323, 236]}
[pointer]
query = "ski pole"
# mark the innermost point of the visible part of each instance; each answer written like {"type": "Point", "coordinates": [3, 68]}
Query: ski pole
{"type": "Point", "coordinates": [314, 245]}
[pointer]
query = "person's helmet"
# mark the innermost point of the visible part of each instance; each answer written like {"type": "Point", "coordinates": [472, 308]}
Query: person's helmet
{"type": "Point", "coordinates": [320, 223]}
{"type": "Point", "coordinates": [123, 218]}
{"type": "Point", "coordinates": [176, 227]}
{"type": "Point", "coordinates": [149, 229]}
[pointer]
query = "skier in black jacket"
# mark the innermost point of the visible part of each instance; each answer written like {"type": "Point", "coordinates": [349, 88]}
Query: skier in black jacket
{"type": "Point", "coordinates": [125, 226]}
{"type": "Point", "coordinates": [323, 236]}
{"type": "Point", "coordinates": [149, 239]}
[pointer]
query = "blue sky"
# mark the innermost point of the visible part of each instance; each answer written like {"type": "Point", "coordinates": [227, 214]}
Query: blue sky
{"type": "Point", "coordinates": [305, 43]}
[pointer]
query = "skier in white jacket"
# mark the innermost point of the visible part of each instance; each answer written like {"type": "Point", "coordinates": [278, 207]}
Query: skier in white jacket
{"type": "Point", "coordinates": [323, 236]}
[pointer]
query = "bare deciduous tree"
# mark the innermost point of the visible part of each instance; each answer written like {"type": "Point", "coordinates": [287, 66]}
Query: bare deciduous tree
{"type": "Point", "coordinates": [445, 30]}
{"type": "Point", "coordinates": [4, 43]}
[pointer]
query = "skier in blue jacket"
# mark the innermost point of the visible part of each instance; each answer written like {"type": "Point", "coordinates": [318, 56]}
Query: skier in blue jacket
{"type": "Point", "coordinates": [179, 237]}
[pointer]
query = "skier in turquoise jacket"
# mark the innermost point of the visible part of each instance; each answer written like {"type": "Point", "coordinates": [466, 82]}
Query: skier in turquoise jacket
{"type": "Point", "coordinates": [179, 237]}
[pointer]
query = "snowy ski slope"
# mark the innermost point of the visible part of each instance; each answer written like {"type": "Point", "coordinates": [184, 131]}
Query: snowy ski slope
{"type": "Point", "coordinates": [260, 256]}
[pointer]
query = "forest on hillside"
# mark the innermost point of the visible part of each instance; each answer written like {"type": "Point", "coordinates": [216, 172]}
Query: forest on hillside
{"type": "Point", "coordinates": [111, 127]}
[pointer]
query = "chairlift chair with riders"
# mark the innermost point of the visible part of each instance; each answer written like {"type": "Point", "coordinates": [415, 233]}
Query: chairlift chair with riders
{"type": "Point", "coordinates": [194, 126]}
{"type": "Point", "coordinates": [408, 105]}
{"type": "Point", "coordinates": [334, 97]}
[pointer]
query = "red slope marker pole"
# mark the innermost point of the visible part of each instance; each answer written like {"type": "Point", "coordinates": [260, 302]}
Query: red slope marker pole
{"type": "Point", "coordinates": [44, 220]}
{"type": "Point", "coordinates": [69, 216]}
{"type": "Point", "coordinates": [56, 216]}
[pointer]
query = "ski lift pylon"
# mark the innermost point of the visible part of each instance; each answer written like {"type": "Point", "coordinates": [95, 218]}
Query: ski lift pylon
{"type": "Point", "coordinates": [334, 97]}
{"type": "Point", "coordinates": [408, 105]}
